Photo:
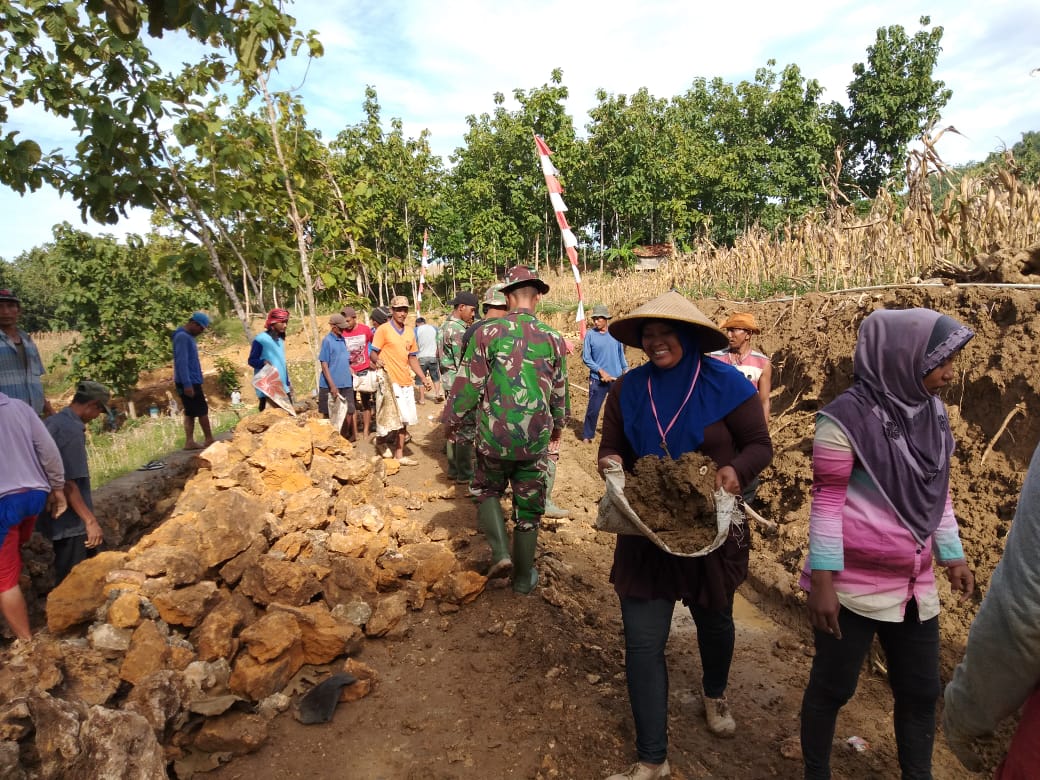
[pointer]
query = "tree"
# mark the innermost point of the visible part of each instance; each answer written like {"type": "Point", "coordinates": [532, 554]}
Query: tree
{"type": "Point", "coordinates": [892, 100]}
{"type": "Point", "coordinates": [121, 303]}
{"type": "Point", "coordinates": [497, 188]}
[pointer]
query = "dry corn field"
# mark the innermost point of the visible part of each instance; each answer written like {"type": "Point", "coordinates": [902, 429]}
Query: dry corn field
{"type": "Point", "coordinates": [987, 229]}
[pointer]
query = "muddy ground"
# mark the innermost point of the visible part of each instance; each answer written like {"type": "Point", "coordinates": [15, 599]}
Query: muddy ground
{"type": "Point", "coordinates": [533, 687]}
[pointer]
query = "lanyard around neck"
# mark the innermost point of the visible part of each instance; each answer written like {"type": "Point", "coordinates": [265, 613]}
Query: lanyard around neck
{"type": "Point", "coordinates": [653, 408]}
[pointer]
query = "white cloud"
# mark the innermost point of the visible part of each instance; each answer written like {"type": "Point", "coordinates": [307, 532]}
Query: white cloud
{"type": "Point", "coordinates": [434, 63]}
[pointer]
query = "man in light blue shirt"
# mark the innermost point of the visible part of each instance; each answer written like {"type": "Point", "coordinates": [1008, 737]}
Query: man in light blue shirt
{"type": "Point", "coordinates": [605, 357]}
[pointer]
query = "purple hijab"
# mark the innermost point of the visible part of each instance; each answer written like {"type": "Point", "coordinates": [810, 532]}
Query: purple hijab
{"type": "Point", "coordinates": [899, 430]}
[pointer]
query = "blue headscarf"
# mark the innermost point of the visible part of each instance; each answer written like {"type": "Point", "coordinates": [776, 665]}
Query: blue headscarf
{"type": "Point", "coordinates": [719, 390]}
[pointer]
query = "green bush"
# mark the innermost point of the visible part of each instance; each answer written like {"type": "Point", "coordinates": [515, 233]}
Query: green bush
{"type": "Point", "coordinates": [227, 376]}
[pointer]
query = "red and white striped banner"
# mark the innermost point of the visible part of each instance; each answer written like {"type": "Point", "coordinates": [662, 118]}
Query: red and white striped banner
{"type": "Point", "coordinates": [570, 243]}
{"type": "Point", "coordinates": [422, 273]}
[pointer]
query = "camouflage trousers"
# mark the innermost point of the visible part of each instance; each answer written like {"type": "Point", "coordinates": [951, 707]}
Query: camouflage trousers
{"type": "Point", "coordinates": [467, 432]}
{"type": "Point", "coordinates": [491, 476]}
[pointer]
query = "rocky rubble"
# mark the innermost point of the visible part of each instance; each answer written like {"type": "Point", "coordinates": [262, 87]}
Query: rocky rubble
{"type": "Point", "coordinates": [285, 551]}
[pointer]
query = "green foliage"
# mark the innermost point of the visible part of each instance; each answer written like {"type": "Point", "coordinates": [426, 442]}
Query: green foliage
{"type": "Point", "coordinates": [121, 304]}
{"type": "Point", "coordinates": [31, 276]}
{"type": "Point", "coordinates": [892, 100]}
{"type": "Point", "coordinates": [228, 379]}
{"type": "Point", "coordinates": [95, 72]}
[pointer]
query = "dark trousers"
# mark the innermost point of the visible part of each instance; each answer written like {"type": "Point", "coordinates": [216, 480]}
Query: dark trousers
{"type": "Point", "coordinates": [647, 624]}
{"type": "Point", "coordinates": [67, 553]}
{"type": "Point", "coordinates": [598, 390]}
{"type": "Point", "coordinates": [912, 652]}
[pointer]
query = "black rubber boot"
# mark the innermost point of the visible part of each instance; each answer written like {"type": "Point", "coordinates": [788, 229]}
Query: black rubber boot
{"type": "Point", "coordinates": [449, 449]}
{"type": "Point", "coordinates": [525, 545]}
{"type": "Point", "coordinates": [464, 463]}
{"type": "Point", "coordinates": [551, 510]}
{"type": "Point", "coordinates": [491, 521]}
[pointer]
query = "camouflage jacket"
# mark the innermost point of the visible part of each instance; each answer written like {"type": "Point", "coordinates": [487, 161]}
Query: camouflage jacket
{"type": "Point", "coordinates": [449, 348]}
{"type": "Point", "coordinates": [514, 374]}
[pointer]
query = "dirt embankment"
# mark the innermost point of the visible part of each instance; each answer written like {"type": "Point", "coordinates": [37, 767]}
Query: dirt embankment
{"type": "Point", "coordinates": [534, 687]}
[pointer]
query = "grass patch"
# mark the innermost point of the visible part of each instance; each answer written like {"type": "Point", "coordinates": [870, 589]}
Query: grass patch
{"type": "Point", "coordinates": [110, 455]}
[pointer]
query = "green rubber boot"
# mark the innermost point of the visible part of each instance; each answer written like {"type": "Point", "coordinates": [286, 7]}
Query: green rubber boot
{"type": "Point", "coordinates": [449, 450]}
{"type": "Point", "coordinates": [493, 524]}
{"type": "Point", "coordinates": [463, 463]}
{"type": "Point", "coordinates": [525, 575]}
{"type": "Point", "coordinates": [551, 510]}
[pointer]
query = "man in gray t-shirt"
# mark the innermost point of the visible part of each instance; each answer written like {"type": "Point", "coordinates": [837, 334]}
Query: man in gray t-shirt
{"type": "Point", "coordinates": [76, 534]}
{"type": "Point", "coordinates": [426, 340]}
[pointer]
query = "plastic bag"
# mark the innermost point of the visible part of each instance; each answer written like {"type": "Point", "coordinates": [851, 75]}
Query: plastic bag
{"type": "Point", "coordinates": [616, 515]}
{"type": "Point", "coordinates": [366, 382]}
{"type": "Point", "coordinates": [268, 382]}
{"type": "Point", "coordinates": [388, 416]}
{"type": "Point", "coordinates": [338, 409]}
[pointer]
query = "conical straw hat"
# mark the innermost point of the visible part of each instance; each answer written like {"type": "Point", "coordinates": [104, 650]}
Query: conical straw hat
{"type": "Point", "coordinates": [670, 307]}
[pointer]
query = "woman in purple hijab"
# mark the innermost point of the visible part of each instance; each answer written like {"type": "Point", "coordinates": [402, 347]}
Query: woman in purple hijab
{"type": "Point", "coordinates": [881, 509]}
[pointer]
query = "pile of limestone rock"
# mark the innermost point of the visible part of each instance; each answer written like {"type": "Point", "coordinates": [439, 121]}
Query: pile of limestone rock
{"type": "Point", "coordinates": [286, 550]}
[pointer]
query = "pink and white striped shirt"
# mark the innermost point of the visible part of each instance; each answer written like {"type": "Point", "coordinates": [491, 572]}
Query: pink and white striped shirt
{"type": "Point", "coordinates": [878, 565]}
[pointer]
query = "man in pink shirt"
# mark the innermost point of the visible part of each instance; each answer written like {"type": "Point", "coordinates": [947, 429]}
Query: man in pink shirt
{"type": "Point", "coordinates": [358, 337]}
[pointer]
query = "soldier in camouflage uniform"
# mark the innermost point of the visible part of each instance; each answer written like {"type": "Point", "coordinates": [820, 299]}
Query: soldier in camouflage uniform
{"type": "Point", "coordinates": [514, 374]}
{"type": "Point", "coordinates": [459, 445]}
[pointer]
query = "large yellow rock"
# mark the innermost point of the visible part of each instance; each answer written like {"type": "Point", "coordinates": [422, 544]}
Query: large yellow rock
{"type": "Point", "coordinates": [186, 606]}
{"type": "Point", "coordinates": [216, 636]}
{"type": "Point", "coordinates": [257, 680]}
{"type": "Point", "coordinates": [305, 509]}
{"type": "Point", "coordinates": [286, 435]}
{"type": "Point", "coordinates": [286, 582]}
{"type": "Point", "coordinates": [272, 635]}
{"type": "Point", "coordinates": [125, 610]}
{"type": "Point", "coordinates": [228, 525]}
{"type": "Point", "coordinates": [80, 594]}
{"type": "Point", "coordinates": [148, 653]}
{"type": "Point", "coordinates": [324, 636]}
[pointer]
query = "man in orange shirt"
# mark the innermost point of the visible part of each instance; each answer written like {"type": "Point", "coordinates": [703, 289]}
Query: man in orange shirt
{"type": "Point", "coordinates": [394, 348]}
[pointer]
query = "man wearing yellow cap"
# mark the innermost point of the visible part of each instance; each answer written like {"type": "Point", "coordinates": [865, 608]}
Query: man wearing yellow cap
{"type": "Point", "coordinates": [740, 327]}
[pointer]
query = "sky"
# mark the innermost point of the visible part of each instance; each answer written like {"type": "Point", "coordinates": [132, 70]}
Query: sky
{"type": "Point", "coordinates": [434, 63]}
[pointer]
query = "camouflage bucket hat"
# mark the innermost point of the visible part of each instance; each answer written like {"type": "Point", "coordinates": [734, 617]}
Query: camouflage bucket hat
{"type": "Point", "coordinates": [522, 276]}
{"type": "Point", "coordinates": [495, 297]}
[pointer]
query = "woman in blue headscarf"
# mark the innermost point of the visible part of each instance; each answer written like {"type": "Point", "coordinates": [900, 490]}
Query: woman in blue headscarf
{"type": "Point", "coordinates": [679, 402]}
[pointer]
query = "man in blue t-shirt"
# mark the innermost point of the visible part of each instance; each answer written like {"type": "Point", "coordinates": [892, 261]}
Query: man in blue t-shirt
{"type": "Point", "coordinates": [336, 378]}
{"type": "Point", "coordinates": [605, 357]}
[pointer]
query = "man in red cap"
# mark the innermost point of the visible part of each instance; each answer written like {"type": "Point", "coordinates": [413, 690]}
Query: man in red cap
{"type": "Point", "coordinates": [268, 348]}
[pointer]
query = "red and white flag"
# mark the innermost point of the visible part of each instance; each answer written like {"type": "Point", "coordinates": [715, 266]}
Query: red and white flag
{"type": "Point", "coordinates": [422, 273]}
{"type": "Point", "coordinates": [570, 242]}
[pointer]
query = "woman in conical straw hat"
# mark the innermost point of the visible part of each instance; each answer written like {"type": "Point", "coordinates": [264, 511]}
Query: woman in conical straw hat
{"type": "Point", "coordinates": [680, 401]}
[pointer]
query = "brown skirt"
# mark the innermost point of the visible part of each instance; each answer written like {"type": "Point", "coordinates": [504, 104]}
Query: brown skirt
{"type": "Point", "coordinates": [643, 570]}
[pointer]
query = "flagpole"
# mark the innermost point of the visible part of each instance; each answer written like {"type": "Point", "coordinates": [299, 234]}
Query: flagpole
{"type": "Point", "coordinates": [422, 273]}
{"type": "Point", "coordinates": [570, 242]}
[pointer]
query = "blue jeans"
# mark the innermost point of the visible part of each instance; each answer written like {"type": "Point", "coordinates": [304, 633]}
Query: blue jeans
{"type": "Point", "coordinates": [598, 390]}
{"type": "Point", "coordinates": [912, 652]}
{"type": "Point", "coordinates": [647, 624]}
